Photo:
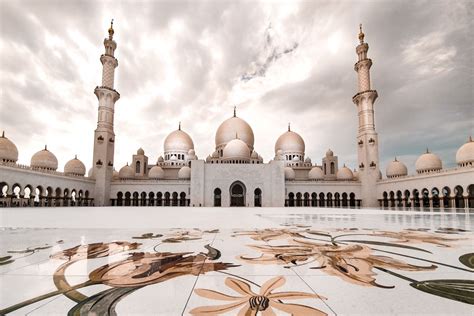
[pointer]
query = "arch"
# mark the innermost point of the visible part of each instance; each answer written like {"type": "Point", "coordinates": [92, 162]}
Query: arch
{"type": "Point", "coordinates": [392, 199]}
{"type": "Point", "coordinates": [291, 199]}
{"type": "Point", "coordinates": [399, 198]}
{"type": "Point", "coordinates": [333, 168]}
{"type": "Point", "coordinates": [237, 194]}
{"type": "Point", "coordinates": [329, 199]}
{"type": "Point", "coordinates": [4, 189]}
{"type": "Point", "coordinates": [435, 197]}
{"type": "Point", "coordinates": [135, 198]}
{"type": "Point", "coordinates": [337, 199]}
{"type": "Point", "coordinates": [352, 201]}
{"type": "Point", "coordinates": [306, 199]}
{"type": "Point", "coordinates": [137, 167]}
{"type": "Point", "coordinates": [321, 199]}
{"type": "Point", "coordinates": [458, 197]}
{"type": "Point", "coordinates": [344, 199]}
{"type": "Point", "coordinates": [446, 197]}
{"type": "Point", "coordinates": [167, 199]}
{"type": "Point", "coordinates": [182, 199]}
{"type": "Point", "coordinates": [57, 197]}
{"type": "Point", "coordinates": [298, 199]}
{"type": "Point", "coordinates": [385, 199]}
{"type": "Point", "coordinates": [119, 199]}
{"type": "Point", "coordinates": [151, 198]}
{"type": "Point", "coordinates": [314, 199]}
{"type": "Point", "coordinates": [470, 196]}
{"type": "Point", "coordinates": [143, 199]}
{"type": "Point", "coordinates": [217, 197]}
{"type": "Point", "coordinates": [257, 197]}
{"type": "Point", "coordinates": [425, 197]}
{"type": "Point", "coordinates": [406, 198]}
{"type": "Point", "coordinates": [159, 199]}
{"type": "Point", "coordinates": [73, 197]}
{"type": "Point", "coordinates": [416, 198]}
{"type": "Point", "coordinates": [174, 199]}
{"type": "Point", "coordinates": [127, 199]}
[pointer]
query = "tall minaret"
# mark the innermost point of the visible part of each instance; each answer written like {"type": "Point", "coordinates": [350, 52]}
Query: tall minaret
{"type": "Point", "coordinates": [367, 140]}
{"type": "Point", "coordinates": [104, 137]}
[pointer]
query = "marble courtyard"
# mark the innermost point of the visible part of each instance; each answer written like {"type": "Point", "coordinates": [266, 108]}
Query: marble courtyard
{"type": "Point", "coordinates": [258, 261]}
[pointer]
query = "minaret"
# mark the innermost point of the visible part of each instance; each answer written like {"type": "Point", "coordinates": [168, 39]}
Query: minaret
{"type": "Point", "coordinates": [367, 140]}
{"type": "Point", "coordinates": [104, 137]}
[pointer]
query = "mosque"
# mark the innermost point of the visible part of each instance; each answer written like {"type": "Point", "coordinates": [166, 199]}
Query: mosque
{"type": "Point", "coordinates": [235, 174]}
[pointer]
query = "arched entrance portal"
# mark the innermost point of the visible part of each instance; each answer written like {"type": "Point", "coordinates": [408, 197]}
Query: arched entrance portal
{"type": "Point", "coordinates": [237, 194]}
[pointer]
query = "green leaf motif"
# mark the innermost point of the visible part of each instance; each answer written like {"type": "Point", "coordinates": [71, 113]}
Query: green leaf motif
{"type": "Point", "coordinates": [381, 243]}
{"type": "Point", "coordinates": [103, 303]}
{"type": "Point", "coordinates": [6, 260]}
{"type": "Point", "coordinates": [467, 260]}
{"type": "Point", "coordinates": [457, 290]}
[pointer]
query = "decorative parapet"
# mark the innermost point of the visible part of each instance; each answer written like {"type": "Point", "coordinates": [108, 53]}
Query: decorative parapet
{"type": "Point", "coordinates": [29, 168]}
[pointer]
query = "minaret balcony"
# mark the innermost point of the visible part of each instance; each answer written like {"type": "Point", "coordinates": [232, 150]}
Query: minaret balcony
{"type": "Point", "coordinates": [370, 94]}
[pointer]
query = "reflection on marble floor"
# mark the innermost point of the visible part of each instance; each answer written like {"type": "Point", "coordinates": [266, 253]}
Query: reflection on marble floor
{"type": "Point", "coordinates": [301, 265]}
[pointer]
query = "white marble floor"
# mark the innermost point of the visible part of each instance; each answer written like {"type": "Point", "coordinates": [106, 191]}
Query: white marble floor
{"type": "Point", "coordinates": [209, 261]}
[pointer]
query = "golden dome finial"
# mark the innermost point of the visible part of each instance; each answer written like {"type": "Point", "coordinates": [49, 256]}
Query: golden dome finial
{"type": "Point", "coordinates": [361, 34]}
{"type": "Point", "coordinates": [111, 29]}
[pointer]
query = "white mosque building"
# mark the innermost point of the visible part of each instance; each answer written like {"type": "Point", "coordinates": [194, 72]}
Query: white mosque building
{"type": "Point", "coordinates": [235, 174]}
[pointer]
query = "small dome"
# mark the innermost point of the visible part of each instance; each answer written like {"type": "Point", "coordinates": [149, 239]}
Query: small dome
{"type": "Point", "coordinates": [428, 162]}
{"type": "Point", "coordinates": [290, 142]}
{"type": "Point", "coordinates": [173, 158]}
{"type": "Point", "coordinates": [254, 155]}
{"type": "Point", "coordinates": [115, 175]}
{"type": "Point", "coordinates": [140, 151]}
{"type": "Point", "coordinates": [465, 154]}
{"type": "Point", "coordinates": [356, 174]}
{"type": "Point", "coordinates": [215, 154]}
{"type": "Point", "coordinates": [90, 173]}
{"type": "Point", "coordinates": [329, 153]}
{"type": "Point", "coordinates": [396, 169]}
{"type": "Point", "coordinates": [44, 159]}
{"type": "Point", "coordinates": [236, 149]}
{"type": "Point", "coordinates": [307, 160]}
{"type": "Point", "coordinates": [344, 174]}
{"type": "Point", "coordinates": [234, 126]}
{"type": "Point", "coordinates": [126, 172]}
{"type": "Point", "coordinates": [316, 173]}
{"type": "Point", "coordinates": [178, 141]}
{"type": "Point", "coordinates": [156, 172]}
{"type": "Point", "coordinates": [160, 159]}
{"type": "Point", "coordinates": [75, 167]}
{"type": "Point", "coordinates": [296, 159]}
{"type": "Point", "coordinates": [184, 173]}
{"type": "Point", "coordinates": [208, 158]}
{"type": "Point", "coordinates": [289, 173]}
{"type": "Point", "coordinates": [8, 150]}
{"type": "Point", "coordinates": [191, 152]}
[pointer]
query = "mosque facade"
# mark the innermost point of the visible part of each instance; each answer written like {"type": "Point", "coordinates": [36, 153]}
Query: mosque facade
{"type": "Point", "coordinates": [235, 174]}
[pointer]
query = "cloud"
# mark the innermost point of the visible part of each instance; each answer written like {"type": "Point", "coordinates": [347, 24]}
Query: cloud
{"type": "Point", "coordinates": [279, 62]}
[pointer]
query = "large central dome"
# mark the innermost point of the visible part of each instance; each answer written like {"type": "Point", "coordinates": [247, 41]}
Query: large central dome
{"type": "Point", "coordinates": [232, 128]}
{"type": "Point", "coordinates": [178, 141]}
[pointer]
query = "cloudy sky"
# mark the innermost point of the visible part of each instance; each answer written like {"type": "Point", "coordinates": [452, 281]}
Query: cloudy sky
{"type": "Point", "coordinates": [278, 61]}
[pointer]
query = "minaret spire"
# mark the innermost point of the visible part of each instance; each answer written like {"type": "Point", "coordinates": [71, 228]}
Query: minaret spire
{"type": "Point", "coordinates": [111, 29]}
{"type": "Point", "coordinates": [104, 136]}
{"type": "Point", "coordinates": [179, 126]}
{"type": "Point", "coordinates": [235, 111]}
{"type": "Point", "coordinates": [367, 138]}
{"type": "Point", "coordinates": [289, 127]}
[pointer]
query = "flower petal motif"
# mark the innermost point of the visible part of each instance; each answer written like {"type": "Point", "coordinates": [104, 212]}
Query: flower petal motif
{"type": "Point", "coordinates": [293, 295]}
{"type": "Point", "coordinates": [215, 295]}
{"type": "Point", "coordinates": [239, 286]}
{"type": "Point", "coordinates": [250, 303]}
{"type": "Point", "coordinates": [219, 309]}
{"type": "Point", "coordinates": [272, 284]}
